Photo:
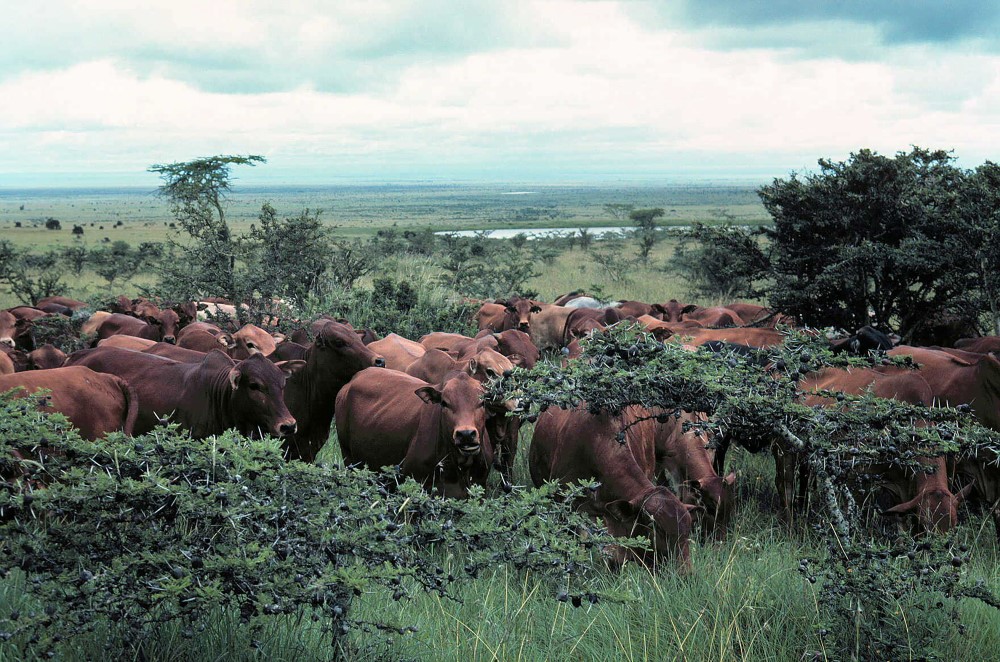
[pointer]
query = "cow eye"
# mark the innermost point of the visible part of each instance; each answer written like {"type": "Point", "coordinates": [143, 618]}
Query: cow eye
{"type": "Point", "coordinates": [251, 345]}
{"type": "Point", "coordinates": [254, 386]}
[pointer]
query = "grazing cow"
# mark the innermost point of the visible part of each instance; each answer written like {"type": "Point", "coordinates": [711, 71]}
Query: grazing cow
{"type": "Point", "coordinates": [920, 493]}
{"type": "Point", "coordinates": [65, 302]}
{"type": "Point", "coordinates": [715, 317]}
{"type": "Point", "coordinates": [573, 445]}
{"type": "Point", "coordinates": [674, 311]}
{"type": "Point", "coordinates": [958, 378]}
{"type": "Point", "coordinates": [436, 433]}
{"type": "Point", "coordinates": [46, 357]}
{"type": "Point", "coordinates": [399, 352]}
{"type": "Point", "coordinates": [159, 328]}
{"type": "Point", "coordinates": [684, 457]}
{"type": "Point", "coordinates": [206, 398]}
{"type": "Point", "coordinates": [94, 403]}
{"type": "Point", "coordinates": [331, 361]}
{"type": "Point", "coordinates": [983, 345]}
{"type": "Point", "coordinates": [15, 331]}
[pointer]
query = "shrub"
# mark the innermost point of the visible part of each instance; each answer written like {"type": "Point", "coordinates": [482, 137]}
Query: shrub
{"type": "Point", "coordinates": [133, 534]}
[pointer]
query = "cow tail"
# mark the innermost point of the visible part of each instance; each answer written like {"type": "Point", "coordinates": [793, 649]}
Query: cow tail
{"type": "Point", "coordinates": [131, 406]}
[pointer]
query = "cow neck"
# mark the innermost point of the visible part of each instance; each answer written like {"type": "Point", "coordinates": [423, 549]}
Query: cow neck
{"type": "Point", "coordinates": [213, 372]}
{"type": "Point", "coordinates": [626, 478]}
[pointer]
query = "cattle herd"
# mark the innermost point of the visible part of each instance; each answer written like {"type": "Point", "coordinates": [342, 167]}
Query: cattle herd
{"type": "Point", "coordinates": [421, 404]}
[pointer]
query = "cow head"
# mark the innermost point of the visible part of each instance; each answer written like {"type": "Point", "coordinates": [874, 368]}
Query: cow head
{"type": "Point", "coordinates": [715, 494]}
{"type": "Point", "coordinates": [341, 353]}
{"type": "Point", "coordinates": [463, 416]}
{"type": "Point", "coordinates": [168, 321]}
{"type": "Point", "coordinates": [659, 515]}
{"type": "Point", "coordinates": [45, 357]}
{"type": "Point", "coordinates": [517, 346]}
{"type": "Point", "coordinates": [8, 325]}
{"type": "Point", "coordinates": [250, 340]}
{"type": "Point", "coordinates": [258, 395]}
{"type": "Point", "coordinates": [518, 313]}
{"type": "Point", "coordinates": [674, 310]}
{"type": "Point", "coordinates": [936, 508]}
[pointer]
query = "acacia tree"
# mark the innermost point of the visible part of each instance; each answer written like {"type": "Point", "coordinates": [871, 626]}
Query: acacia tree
{"type": "Point", "coordinates": [872, 240]}
{"type": "Point", "coordinates": [646, 229]}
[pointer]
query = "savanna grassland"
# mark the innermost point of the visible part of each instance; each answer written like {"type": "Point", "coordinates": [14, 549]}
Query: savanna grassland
{"type": "Point", "coordinates": [745, 600]}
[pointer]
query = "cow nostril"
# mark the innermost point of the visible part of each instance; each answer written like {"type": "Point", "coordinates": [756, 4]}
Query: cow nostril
{"type": "Point", "coordinates": [380, 362]}
{"type": "Point", "coordinates": [169, 339]}
{"type": "Point", "coordinates": [287, 428]}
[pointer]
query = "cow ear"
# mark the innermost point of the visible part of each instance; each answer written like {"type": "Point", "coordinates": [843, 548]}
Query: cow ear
{"type": "Point", "coordinates": [730, 479]}
{"type": "Point", "coordinates": [964, 492]}
{"type": "Point", "coordinates": [658, 308]}
{"type": "Point", "coordinates": [429, 394]}
{"type": "Point", "coordinates": [279, 338]}
{"type": "Point", "coordinates": [536, 309]}
{"type": "Point", "coordinates": [234, 378]}
{"type": "Point", "coordinates": [904, 508]}
{"type": "Point", "coordinates": [690, 308]}
{"type": "Point", "coordinates": [290, 367]}
{"type": "Point", "coordinates": [472, 367]}
{"type": "Point", "coordinates": [226, 340]}
{"type": "Point", "coordinates": [621, 510]}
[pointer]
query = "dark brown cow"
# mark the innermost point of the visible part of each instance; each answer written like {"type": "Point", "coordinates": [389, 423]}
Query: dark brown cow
{"type": "Point", "coordinates": [66, 302]}
{"type": "Point", "coordinates": [311, 394]}
{"type": "Point", "coordinates": [206, 398]}
{"type": "Point", "coordinates": [573, 445]}
{"type": "Point", "coordinates": [684, 457]}
{"type": "Point", "coordinates": [94, 403]}
{"type": "Point", "coordinates": [162, 328]}
{"type": "Point", "coordinates": [46, 357]}
{"type": "Point", "coordinates": [920, 493]}
{"type": "Point", "coordinates": [983, 345]}
{"type": "Point", "coordinates": [398, 352]}
{"type": "Point", "coordinates": [15, 331]}
{"type": "Point", "coordinates": [436, 433]}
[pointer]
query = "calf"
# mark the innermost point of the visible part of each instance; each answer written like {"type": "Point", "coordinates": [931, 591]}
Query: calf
{"type": "Point", "coordinates": [436, 433]}
{"type": "Point", "coordinates": [206, 398]}
{"type": "Point", "coordinates": [573, 445]}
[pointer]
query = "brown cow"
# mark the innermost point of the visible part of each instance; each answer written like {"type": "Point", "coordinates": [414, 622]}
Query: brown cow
{"type": "Point", "coordinates": [311, 394]}
{"type": "Point", "coordinates": [749, 336]}
{"type": "Point", "coordinates": [715, 317]}
{"type": "Point", "coordinates": [159, 328]}
{"type": "Point", "coordinates": [573, 445]}
{"type": "Point", "coordinates": [46, 357]}
{"type": "Point", "coordinates": [15, 331]}
{"type": "Point", "coordinates": [674, 310]}
{"type": "Point", "coordinates": [249, 339]}
{"type": "Point", "coordinates": [518, 312]}
{"type": "Point", "coordinates": [436, 433]}
{"type": "Point", "coordinates": [958, 378]}
{"type": "Point", "coordinates": [399, 352]}
{"type": "Point", "coordinates": [94, 403]}
{"type": "Point", "coordinates": [515, 345]}
{"type": "Point", "coordinates": [639, 308]}
{"type": "Point", "coordinates": [206, 398]}
{"type": "Point", "coordinates": [684, 457]}
{"type": "Point", "coordinates": [548, 327]}
{"type": "Point", "coordinates": [926, 495]}
{"type": "Point", "coordinates": [983, 345]}
{"type": "Point", "coordinates": [66, 302]}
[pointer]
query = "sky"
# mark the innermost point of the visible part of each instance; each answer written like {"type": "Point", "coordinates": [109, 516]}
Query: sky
{"type": "Point", "coordinates": [93, 93]}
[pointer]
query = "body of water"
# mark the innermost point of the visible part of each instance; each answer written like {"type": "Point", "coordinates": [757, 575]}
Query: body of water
{"type": "Point", "coordinates": [540, 233]}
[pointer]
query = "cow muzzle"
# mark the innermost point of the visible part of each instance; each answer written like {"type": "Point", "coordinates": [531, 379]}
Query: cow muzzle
{"type": "Point", "coordinates": [523, 326]}
{"type": "Point", "coordinates": [7, 341]}
{"type": "Point", "coordinates": [285, 429]}
{"type": "Point", "coordinates": [379, 362]}
{"type": "Point", "coordinates": [170, 339]}
{"type": "Point", "coordinates": [467, 442]}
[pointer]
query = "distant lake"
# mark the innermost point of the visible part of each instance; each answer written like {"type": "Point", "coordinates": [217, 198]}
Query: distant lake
{"type": "Point", "coordinates": [538, 233]}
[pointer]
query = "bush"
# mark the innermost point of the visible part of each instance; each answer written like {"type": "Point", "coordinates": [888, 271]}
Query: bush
{"type": "Point", "coordinates": [132, 535]}
{"type": "Point", "coordinates": [720, 262]}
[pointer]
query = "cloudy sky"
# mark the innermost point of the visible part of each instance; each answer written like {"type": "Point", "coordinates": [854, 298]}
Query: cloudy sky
{"type": "Point", "coordinates": [387, 90]}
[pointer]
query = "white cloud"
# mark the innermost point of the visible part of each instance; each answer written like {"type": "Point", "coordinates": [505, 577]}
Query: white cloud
{"type": "Point", "coordinates": [603, 89]}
